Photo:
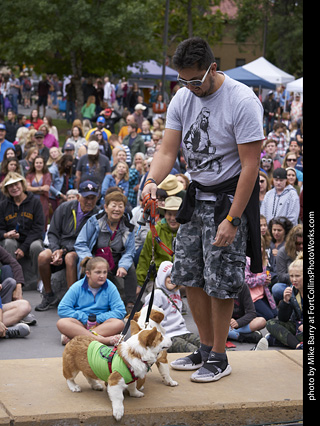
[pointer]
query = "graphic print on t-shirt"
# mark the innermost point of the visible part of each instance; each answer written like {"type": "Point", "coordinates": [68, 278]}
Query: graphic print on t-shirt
{"type": "Point", "coordinates": [200, 151]}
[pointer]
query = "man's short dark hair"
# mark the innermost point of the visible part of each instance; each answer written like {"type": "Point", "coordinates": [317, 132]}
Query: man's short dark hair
{"type": "Point", "coordinates": [193, 52]}
{"type": "Point", "coordinates": [134, 125]}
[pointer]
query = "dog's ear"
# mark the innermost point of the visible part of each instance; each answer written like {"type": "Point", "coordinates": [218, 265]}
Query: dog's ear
{"type": "Point", "coordinates": [156, 316]}
{"type": "Point", "coordinates": [134, 327]}
{"type": "Point", "coordinates": [147, 337]}
{"type": "Point", "coordinates": [136, 316]}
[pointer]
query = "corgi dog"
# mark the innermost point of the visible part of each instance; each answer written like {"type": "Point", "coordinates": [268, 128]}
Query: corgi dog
{"type": "Point", "coordinates": [118, 368]}
{"type": "Point", "coordinates": [155, 318]}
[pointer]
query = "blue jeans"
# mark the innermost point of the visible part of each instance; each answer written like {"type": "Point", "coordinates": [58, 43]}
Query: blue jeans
{"type": "Point", "coordinates": [264, 310]}
{"type": "Point", "coordinates": [14, 102]}
{"type": "Point", "coordinates": [6, 272]}
{"type": "Point", "coordinates": [70, 111]}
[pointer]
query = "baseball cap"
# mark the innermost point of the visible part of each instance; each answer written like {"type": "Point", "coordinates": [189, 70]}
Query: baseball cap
{"type": "Point", "coordinates": [101, 120]}
{"type": "Point", "coordinates": [39, 134]}
{"type": "Point", "coordinates": [280, 173]}
{"type": "Point", "coordinates": [88, 187]}
{"type": "Point", "coordinates": [93, 148]}
{"type": "Point", "coordinates": [69, 146]}
{"type": "Point", "coordinates": [140, 106]}
{"type": "Point", "coordinates": [3, 126]}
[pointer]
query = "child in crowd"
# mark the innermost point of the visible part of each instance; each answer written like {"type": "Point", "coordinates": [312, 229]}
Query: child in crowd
{"type": "Point", "coordinates": [258, 284]}
{"type": "Point", "coordinates": [93, 294]}
{"type": "Point", "coordinates": [288, 328]}
{"type": "Point", "coordinates": [167, 296]}
{"type": "Point", "coordinates": [245, 324]}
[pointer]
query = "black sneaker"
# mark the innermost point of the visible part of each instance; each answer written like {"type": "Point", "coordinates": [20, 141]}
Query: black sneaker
{"type": "Point", "coordinates": [212, 370]}
{"type": "Point", "coordinates": [252, 337]}
{"type": "Point", "coordinates": [48, 302]}
{"type": "Point", "coordinates": [18, 330]}
{"type": "Point", "coordinates": [190, 362]}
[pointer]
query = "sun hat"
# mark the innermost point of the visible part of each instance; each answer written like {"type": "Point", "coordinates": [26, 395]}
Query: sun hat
{"type": "Point", "coordinates": [171, 203]}
{"type": "Point", "coordinates": [18, 178]}
{"type": "Point", "coordinates": [171, 185]}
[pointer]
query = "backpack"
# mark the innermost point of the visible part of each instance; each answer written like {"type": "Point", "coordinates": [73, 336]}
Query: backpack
{"type": "Point", "coordinates": [27, 84]}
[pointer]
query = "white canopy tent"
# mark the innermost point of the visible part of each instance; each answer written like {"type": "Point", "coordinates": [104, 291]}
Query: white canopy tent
{"type": "Point", "coordinates": [268, 71]}
{"type": "Point", "coordinates": [295, 86]}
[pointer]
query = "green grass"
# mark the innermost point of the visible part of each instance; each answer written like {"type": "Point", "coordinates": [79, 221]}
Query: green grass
{"type": "Point", "coordinates": [63, 128]}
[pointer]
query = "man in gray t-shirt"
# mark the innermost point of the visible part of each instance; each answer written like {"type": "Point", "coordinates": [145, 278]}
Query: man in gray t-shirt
{"type": "Point", "coordinates": [219, 123]}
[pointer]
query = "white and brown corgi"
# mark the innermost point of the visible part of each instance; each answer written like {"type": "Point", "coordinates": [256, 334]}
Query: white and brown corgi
{"type": "Point", "coordinates": [120, 370]}
{"type": "Point", "coordinates": [155, 318]}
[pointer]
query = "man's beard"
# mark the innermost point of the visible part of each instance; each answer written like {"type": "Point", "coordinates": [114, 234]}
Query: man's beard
{"type": "Point", "coordinates": [208, 92]}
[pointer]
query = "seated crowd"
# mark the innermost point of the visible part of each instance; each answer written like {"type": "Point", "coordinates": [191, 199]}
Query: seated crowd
{"type": "Point", "coordinates": [78, 209]}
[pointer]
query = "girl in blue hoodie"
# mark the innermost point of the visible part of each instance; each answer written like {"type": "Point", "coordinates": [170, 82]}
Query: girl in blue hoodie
{"type": "Point", "coordinates": [93, 294]}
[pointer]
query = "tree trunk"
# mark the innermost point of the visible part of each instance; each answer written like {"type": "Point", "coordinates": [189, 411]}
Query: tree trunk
{"type": "Point", "coordinates": [76, 66]}
{"type": "Point", "coordinates": [190, 24]}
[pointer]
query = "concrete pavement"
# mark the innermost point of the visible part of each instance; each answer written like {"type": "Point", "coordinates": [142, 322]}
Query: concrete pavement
{"type": "Point", "coordinates": [264, 387]}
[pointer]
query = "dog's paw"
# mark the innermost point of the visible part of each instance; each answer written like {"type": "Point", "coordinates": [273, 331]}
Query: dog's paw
{"type": "Point", "coordinates": [97, 386]}
{"type": "Point", "coordinates": [137, 394]}
{"type": "Point", "coordinates": [73, 386]}
{"type": "Point", "coordinates": [76, 388]}
{"type": "Point", "coordinates": [118, 412]}
{"type": "Point", "coordinates": [169, 382]}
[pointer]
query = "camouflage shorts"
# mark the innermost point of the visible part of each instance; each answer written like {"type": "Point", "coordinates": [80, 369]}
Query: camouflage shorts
{"type": "Point", "coordinates": [188, 342]}
{"type": "Point", "coordinates": [218, 270]}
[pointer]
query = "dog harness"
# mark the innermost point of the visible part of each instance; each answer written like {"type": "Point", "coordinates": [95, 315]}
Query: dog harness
{"type": "Point", "coordinates": [104, 360]}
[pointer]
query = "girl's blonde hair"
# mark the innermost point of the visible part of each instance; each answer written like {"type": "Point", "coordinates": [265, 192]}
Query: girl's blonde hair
{"type": "Point", "coordinates": [297, 263]}
{"type": "Point", "coordinates": [126, 176]}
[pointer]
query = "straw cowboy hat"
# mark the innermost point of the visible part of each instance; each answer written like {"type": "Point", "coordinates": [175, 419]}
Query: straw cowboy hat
{"type": "Point", "coordinates": [171, 203]}
{"type": "Point", "coordinates": [171, 185]}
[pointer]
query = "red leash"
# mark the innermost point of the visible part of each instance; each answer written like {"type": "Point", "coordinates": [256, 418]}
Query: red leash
{"type": "Point", "coordinates": [150, 212]}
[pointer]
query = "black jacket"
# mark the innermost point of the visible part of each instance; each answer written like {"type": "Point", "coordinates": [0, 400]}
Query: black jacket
{"type": "Point", "coordinates": [63, 230]}
{"type": "Point", "coordinates": [27, 219]}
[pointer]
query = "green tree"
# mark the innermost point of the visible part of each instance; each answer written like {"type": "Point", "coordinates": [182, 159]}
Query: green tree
{"type": "Point", "coordinates": [189, 18]}
{"type": "Point", "coordinates": [77, 36]}
{"type": "Point", "coordinates": [281, 21]}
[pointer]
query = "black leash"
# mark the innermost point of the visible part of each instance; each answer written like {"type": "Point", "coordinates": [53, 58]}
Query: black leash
{"type": "Point", "coordinates": [152, 268]}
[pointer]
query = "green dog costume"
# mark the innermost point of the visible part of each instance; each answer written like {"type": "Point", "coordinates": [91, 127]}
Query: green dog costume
{"type": "Point", "coordinates": [101, 358]}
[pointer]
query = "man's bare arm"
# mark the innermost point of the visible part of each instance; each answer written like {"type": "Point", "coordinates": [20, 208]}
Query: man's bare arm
{"type": "Point", "coordinates": [164, 160]}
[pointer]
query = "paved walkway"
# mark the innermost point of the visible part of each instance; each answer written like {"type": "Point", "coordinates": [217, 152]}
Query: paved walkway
{"type": "Point", "coordinates": [264, 387]}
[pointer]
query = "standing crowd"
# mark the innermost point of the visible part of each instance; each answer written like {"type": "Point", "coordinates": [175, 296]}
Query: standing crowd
{"type": "Point", "coordinates": [75, 206]}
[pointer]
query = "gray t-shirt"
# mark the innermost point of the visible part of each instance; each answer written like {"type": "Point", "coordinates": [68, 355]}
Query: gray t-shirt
{"type": "Point", "coordinates": [212, 127]}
